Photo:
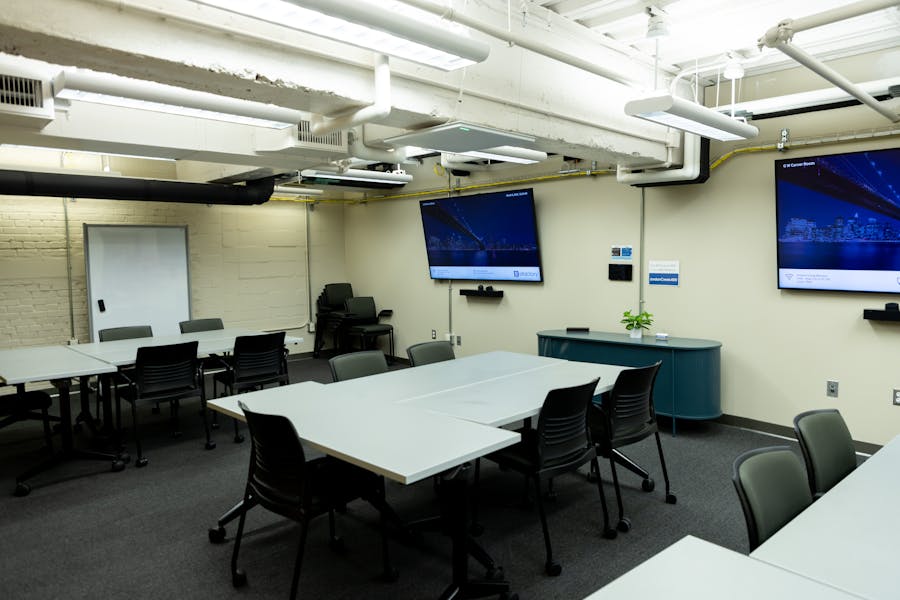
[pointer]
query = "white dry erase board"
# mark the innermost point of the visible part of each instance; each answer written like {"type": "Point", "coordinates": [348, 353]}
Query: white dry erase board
{"type": "Point", "coordinates": [137, 275]}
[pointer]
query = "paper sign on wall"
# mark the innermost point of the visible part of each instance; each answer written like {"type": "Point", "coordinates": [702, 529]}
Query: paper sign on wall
{"type": "Point", "coordinates": [621, 252]}
{"type": "Point", "coordinates": [663, 272]}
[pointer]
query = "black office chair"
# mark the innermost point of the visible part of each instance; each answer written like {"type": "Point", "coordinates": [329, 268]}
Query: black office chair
{"type": "Point", "coordinates": [23, 406]}
{"type": "Point", "coordinates": [627, 416]}
{"type": "Point", "coordinates": [257, 361]}
{"type": "Point", "coordinates": [827, 448]}
{"type": "Point", "coordinates": [364, 323]}
{"type": "Point", "coordinates": [426, 353]}
{"type": "Point", "coordinates": [357, 364]}
{"type": "Point", "coordinates": [195, 325]}
{"type": "Point", "coordinates": [330, 314]}
{"type": "Point", "coordinates": [130, 332]}
{"type": "Point", "coordinates": [560, 444]}
{"type": "Point", "coordinates": [772, 488]}
{"type": "Point", "coordinates": [169, 373]}
{"type": "Point", "coordinates": [281, 480]}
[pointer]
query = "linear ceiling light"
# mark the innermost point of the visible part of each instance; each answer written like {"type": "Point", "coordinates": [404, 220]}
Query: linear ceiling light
{"type": "Point", "coordinates": [511, 154]}
{"type": "Point", "coordinates": [688, 116]}
{"type": "Point", "coordinates": [326, 177]}
{"type": "Point", "coordinates": [105, 88]}
{"type": "Point", "coordinates": [391, 28]}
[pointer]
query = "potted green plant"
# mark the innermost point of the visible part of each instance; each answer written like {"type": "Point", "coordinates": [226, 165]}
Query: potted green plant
{"type": "Point", "coordinates": [635, 323]}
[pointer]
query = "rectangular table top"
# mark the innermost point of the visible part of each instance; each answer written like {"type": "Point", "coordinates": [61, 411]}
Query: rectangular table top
{"type": "Point", "coordinates": [848, 537]}
{"type": "Point", "coordinates": [401, 443]}
{"type": "Point", "coordinates": [123, 352]}
{"type": "Point", "coordinates": [47, 363]}
{"type": "Point", "coordinates": [693, 569]}
{"type": "Point", "coordinates": [513, 397]}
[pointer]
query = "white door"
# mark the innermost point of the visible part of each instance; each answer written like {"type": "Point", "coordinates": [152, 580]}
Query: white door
{"type": "Point", "coordinates": [137, 275]}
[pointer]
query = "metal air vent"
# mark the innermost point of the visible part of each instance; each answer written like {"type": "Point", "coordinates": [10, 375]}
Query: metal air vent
{"type": "Point", "coordinates": [25, 100]}
{"type": "Point", "coordinates": [335, 140]}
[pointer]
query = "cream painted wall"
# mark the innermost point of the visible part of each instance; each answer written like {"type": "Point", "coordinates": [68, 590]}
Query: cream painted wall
{"type": "Point", "coordinates": [779, 347]}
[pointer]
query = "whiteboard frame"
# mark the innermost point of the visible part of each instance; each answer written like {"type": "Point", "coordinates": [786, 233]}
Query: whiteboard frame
{"type": "Point", "coordinates": [88, 227]}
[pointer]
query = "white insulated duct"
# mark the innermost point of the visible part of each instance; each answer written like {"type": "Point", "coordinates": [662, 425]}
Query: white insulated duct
{"type": "Point", "coordinates": [689, 171]}
{"type": "Point", "coordinates": [358, 149]}
{"type": "Point", "coordinates": [379, 109]}
{"type": "Point", "coordinates": [780, 36]}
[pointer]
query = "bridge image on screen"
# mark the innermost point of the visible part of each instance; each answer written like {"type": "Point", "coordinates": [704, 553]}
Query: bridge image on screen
{"type": "Point", "coordinates": [486, 236]}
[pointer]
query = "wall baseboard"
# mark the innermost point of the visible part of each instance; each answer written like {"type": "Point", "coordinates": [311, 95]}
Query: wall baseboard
{"type": "Point", "coordinates": [764, 427]}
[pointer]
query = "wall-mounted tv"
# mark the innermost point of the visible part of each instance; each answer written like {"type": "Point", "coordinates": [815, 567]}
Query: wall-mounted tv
{"type": "Point", "coordinates": [838, 221]}
{"type": "Point", "coordinates": [488, 237]}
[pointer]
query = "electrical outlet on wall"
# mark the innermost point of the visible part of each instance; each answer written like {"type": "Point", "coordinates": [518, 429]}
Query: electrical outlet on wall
{"type": "Point", "coordinates": [434, 334]}
{"type": "Point", "coordinates": [831, 389]}
{"type": "Point", "coordinates": [896, 397]}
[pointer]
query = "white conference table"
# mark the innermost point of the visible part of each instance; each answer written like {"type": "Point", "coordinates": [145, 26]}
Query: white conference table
{"type": "Point", "coordinates": [848, 537]}
{"type": "Point", "coordinates": [57, 364]}
{"type": "Point", "coordinates": [694, 569]}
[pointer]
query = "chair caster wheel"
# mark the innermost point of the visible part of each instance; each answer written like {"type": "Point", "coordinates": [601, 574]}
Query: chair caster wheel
{"type": "Point", "coordinates": [141, 462]}
{"type": "Point", "coordinates": [238, 438]}
{"type": "Point", "coordinates": [610, 534]}
{"type": "Point", "coordinates": [648, 484]}
{"type": "Point", "coordinates": [238, 579]}
{"type": "Point", "coordinates": [553, 569]}
{"type": "Point", "coordinates": [124, 457]}
{"type": "Point", "coordinates": [214, 426]}
{"type": "Point", "coordinates": [216, 535]}
{"type": "Point", "coordinates": [624, 525]}
{"type": "Point", "coordinates": [476, 529]}
{"type": "Point", "coordinates": [390, 576]}
{"type": "Point", "coordinates": [22, 489]}
{"type": "Point", "coordinates": [118, 465]}
{"type": "Point", "coordinates": [591, 477]}
{"type": "Point", "coordinates": [670, 498]}
{"type": "Point", "coordinates": [210, 445]}
{"type": "Point", "coordinates": [337, 544]}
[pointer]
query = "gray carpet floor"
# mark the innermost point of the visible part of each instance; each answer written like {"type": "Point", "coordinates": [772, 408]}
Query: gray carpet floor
{"type": "Point", "coordinates": [86, 532]}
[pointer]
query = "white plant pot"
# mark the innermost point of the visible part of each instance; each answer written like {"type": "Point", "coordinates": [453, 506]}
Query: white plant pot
{"type": "Point", "coordinates": [636, 333]}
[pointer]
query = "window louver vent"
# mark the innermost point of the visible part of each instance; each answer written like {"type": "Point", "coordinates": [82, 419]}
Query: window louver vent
{"type": "Point", "coordinates": [21, 91]}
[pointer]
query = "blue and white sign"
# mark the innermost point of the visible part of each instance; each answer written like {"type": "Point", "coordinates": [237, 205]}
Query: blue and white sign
{"type": "Point", "coordinates": [618, 252]}
{"type": "Point", "coordinates": [663, 272]}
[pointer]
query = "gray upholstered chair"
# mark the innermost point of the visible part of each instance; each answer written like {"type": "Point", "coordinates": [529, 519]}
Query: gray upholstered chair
{"type": "Point", "coordinates": [363, 322]}
{"type": "Point", "coordinates": [357, 364]}
{"type": "Point", "coordinates": [125, 333]}
{"type": "Point", "coordinates": [195, 325]}
{"type": "Point", "coordinates": [426, 353]}
{"type": "Point", "coordinates": [827, 448]}
{"type": "Point", "coordinates": [772, 488]}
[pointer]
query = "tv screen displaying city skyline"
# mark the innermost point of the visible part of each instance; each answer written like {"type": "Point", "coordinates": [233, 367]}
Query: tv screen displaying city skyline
{"type": "Point", "coordinates": [838, 219]}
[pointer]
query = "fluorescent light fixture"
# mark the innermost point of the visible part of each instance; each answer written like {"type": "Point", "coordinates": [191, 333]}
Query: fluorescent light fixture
{"type": "Point", "coordinates": [511, 154]}
{"type": "Point", "coordinates": [387, 27]}
{"type": "Point", "coordinates": [685, 115]}
{"type": "Point", "coordinates": [105, 88]}
{"type": "Point", "coordinates": [94, 152]}
{"type": "Point", "coordinates": [290, 190]}
{"type": "Point", "coordinates": [460, 138]}
{"type": "Point", "coordinates": [354, 177]}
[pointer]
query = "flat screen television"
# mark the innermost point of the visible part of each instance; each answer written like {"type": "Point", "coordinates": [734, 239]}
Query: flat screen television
{"type": "Point", "coordinates": [838, 221]}
{"type": "Point", "coordinates": [487, 237]}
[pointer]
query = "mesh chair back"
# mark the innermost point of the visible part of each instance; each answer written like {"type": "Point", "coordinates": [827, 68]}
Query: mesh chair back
{"type": "Point", "coordinates": [429, 352]}
{"type": "Point", "coordinates": [562, 426]}
{"type": "Point", "coordinates": [357, 364]}
{"type": "Point", "coordinates": [772, 489]}
{"type": "Point", "coordinates": [363, 309]}
{"type": "Point", "coordinates": [259, 358]}
{"type": "Point", "coordinates": [166, 369]}
{"type": "Point", "coordinates": [335, 294]}
{"type": "Point", "coordinates": [277, 461]}
{"type": "Point", "coordinates": [195, 325]}
{"type": "Point", "coordinates": [629, 406]}
{"type": "Point", "coordinates": [125, 333]}
{"type": "Point", "coordinates": [827, 448]}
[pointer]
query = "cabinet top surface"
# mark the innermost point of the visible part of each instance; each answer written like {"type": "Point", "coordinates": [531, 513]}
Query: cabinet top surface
{"type": "Point", "coordinates": [623, 338]}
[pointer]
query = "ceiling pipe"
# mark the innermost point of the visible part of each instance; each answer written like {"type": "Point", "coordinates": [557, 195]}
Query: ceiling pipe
{"type": "Point", "coordinates": [358, 149]}
{"type": "Point", "coordinates": [780, 36]}
{"type": "Point", "coordinates": [380, 109]}
{"type": "Point", "coordinates": [524, 42]}
{"type": "Point", "coordinates": [27, 183]}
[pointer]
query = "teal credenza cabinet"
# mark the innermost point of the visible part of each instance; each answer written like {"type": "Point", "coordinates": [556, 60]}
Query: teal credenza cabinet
{"type": "Point", "coordinates": [688, 385]}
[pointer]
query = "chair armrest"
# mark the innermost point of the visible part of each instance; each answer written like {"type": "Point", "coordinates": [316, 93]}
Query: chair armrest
{"type": "Point", "coordinates": [385, 312]}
